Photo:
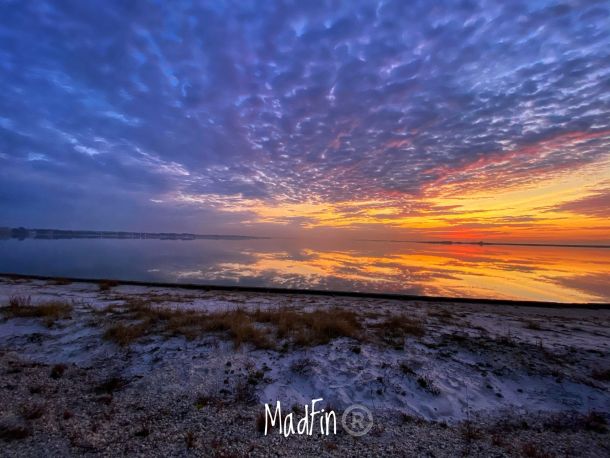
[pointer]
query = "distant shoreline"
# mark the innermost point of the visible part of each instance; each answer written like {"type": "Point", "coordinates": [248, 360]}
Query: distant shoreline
{"type": "Point", "coordinates": [451, 242]}
{"type": "Point", "coordinates": [22, 233]}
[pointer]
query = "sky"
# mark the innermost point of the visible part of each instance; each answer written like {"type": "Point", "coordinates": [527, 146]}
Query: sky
{"type": "Point", "coordinates": [461, 120]}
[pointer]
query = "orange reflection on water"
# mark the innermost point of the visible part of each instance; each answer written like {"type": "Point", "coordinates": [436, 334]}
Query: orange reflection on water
{"type": "Point", "coordinates": [526, 273]}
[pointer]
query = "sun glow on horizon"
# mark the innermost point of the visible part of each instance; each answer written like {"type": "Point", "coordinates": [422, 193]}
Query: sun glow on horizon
{"type": "Point", "coordinates": [534, 210]}
{"type": "Point", "coordinates": [460, 271]}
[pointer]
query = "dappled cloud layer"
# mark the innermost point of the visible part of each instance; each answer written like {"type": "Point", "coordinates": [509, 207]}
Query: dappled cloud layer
{"type": "Point", "coordinates": [459, 120]}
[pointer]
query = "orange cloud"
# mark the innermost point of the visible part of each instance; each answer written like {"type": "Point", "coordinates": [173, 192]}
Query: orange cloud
{"type": "Point", "coordinates": [544, 191]}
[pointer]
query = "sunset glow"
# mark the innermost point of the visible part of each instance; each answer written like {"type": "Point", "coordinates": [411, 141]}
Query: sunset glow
{"type": "Point", "coordinates": [566, 206]}
{"type": "Point", "coordinates": [451, 271]}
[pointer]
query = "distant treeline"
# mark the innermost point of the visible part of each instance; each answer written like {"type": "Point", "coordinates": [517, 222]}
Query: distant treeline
{"type": "Point", "coordinates": [561, 245]}
{"type": "Point", "coordinates": [482, 243]}
{"type": "Point", "coordinates": [22, 233]}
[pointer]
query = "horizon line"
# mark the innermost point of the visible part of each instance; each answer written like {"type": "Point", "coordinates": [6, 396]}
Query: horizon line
{"type": "Point", "coordinates": [484, 243]}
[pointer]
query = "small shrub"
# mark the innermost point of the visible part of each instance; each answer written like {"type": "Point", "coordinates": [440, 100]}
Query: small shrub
{"type": "Point", "coordinates": [14, 429]}
{"type": "Point", "coordinates": [58, 370]}
{"type": "Point", "coordinates": [110, 385]}
{"type": "Point", "coordinates": [33, 411]}
{"type": "Point", "coordinates": [507, 340]}
{"type": "Point", "coordinates": [60, 281]}
{"type": "Point", "coordinates": [260, 422]}
{"type": "Point", "coordinates": [204, 400]}
{"type": "Point", "coordinates": [443, 315]}
{"type": "Point", "coordinates": [189, 439]}
{"type": "Point", "coordinates": [105, 399]}
{"type": "Point", "coordinates": [602, 375]}
{"type": "Point", "coordinates": [426, 383]}
{"type": "Point", "coordinates": [297, 409]}
{"type": "Point", "coordinates": [255, 377]}
{"type": "Point", "coordinates": [457, 338]}
{"type": "Point", "coordinates": [595, 421]}
{"type": "Point", "coordinates": [245, 392]}
{"type": "Point", "coordinates": [406, 369]}
{"type": "Point", "coordinates": [106, 285]}
{"type": "Point", "coordinates": [406, 418]}
{"type": "Point", "coordinates": [330, 446]}
{"type": "Point", "coordinates": [302, 366]}
{"type": "Point", "coordinates": [144, 431]}
{"type": "Point", "coordinates": [497, 440]}
{"type": "Point", "coordinates": [533, 326]}
{"type": "Point", "coordinates": [531, 450]}
{"type": "Point", "coordinates": [469, 431]}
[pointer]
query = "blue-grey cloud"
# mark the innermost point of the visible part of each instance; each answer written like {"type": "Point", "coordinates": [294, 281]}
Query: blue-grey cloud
{"type": "Point", "coordinates": [120, 104]}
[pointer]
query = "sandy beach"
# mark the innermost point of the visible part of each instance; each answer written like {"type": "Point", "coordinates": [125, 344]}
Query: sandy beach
{"type": "Point", "coordinates": [103, 369]}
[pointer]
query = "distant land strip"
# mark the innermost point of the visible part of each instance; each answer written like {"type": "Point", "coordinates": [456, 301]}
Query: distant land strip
{"type": "Point", "coordinates": [22, 233]}
{"type": "Point", "coordinates": [481, 243]}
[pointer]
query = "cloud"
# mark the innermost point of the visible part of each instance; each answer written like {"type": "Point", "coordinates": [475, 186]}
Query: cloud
{"type": "Point", "coordinates": [294, 102]}
{"type": "Point", "coordinates": [597, 204]}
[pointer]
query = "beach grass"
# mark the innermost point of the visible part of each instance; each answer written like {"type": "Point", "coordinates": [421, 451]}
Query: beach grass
{"type": "Point", "coordinates": [50, 311]}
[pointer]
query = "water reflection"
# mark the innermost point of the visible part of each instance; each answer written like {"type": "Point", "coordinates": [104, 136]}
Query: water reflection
{"type": "Point", "coordinates": [533, 273]}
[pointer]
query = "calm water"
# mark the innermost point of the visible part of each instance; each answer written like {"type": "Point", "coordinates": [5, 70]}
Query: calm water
{"type": "Point", "coordinates": [549, 274]}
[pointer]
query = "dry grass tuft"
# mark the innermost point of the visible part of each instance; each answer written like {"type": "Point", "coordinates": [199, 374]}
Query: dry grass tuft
{"type": "Point", "coordinates": [125, 334]}
{"type": "Point", "coordinates": [245, 392]}
{"type": "Point", "coordinates": [393, 330]}
{"type": "Point", "coordinates": [330, 446]}
{"type": "Point", "coordinates": [237, 324]}
{"type": "Point", "coordinates": [403, 325]}
{"type": "Point", "coordinates": [406, 369]}
{"type": "Point", "coordinates": [11, 430]}
{"type": "Point", "coordinates": [260, 328]}
{"type": "Point", "coordinates": [57, 371]}
{"type": "Point", "coordinates": [33, 411]}
{"type": "Point", "coordinates": [59, 281]}
{"type": "Point", "coordinates": [602, 375]}
{"type": "Point", "coordinates": [531, 450]}
{"type": "Point", "coordinates": [189, 439]}
{"type": "Point", "coordinates": [268, 329]}
{"type": "Point", "coordinates": [19, 301]}
{"type": "Point", "coordinates": [204, 400]}
{"type": "Point", "coordinates": [110, 385]}
{"type": "Point", "coordinates": [469, 431]}
{"type": "Point", "coordinates": [143, 431]}
{"type": "Point", "coordinates": [427, 384]}
{"type": "Point", "coordinates": [302, 366]}
{"type": "Point", "coordinates": [533, 325]}
{"type": "Point", "coordinates": [442, 314]}
{"type": "Point", "coordinates": [308, 329]}
{"type": "Point", "coordinates": [595, 421]}
{"type": "Point", "coordinates": [260, 422]}
{"type": "Point", "coordinates": [107, 285]}
{"type": "Point", "coordinates": [51, 311]}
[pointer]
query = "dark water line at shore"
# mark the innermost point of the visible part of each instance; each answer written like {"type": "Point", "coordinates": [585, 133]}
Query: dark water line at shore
{"type": "Point", "coordinates": [318, 292]}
